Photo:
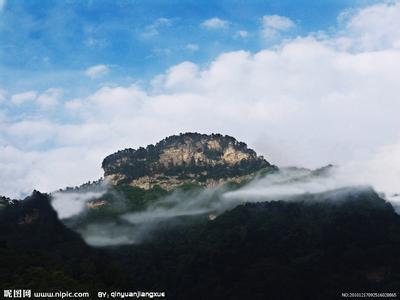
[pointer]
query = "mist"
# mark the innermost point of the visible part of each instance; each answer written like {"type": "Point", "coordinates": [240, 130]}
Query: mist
{"type": "Point", "coordinates": [207, 204]}
{"type": "Point", "coordinates": [72, 203]}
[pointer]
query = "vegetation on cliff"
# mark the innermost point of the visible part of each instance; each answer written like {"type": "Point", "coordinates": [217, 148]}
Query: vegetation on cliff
{"type": "Point", "coordinates": [189, 157]}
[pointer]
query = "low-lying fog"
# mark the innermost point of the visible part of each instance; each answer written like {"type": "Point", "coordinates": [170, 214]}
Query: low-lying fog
{"type": "Point", "coordinates": [133, 227]}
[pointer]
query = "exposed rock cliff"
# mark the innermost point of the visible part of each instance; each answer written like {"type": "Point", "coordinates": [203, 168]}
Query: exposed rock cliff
{"type": "Point", "coordinates": [208, 160]}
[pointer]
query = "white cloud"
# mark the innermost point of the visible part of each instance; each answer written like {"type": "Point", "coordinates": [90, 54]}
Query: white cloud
{"type": "Point", "coordinates": [182, 76]}
{"type": "Point", "coordinates": [278, 22]}
{"type": "Point", "coordinates": [73, 105]}
{"type": "Point", "coordinates": [241, 34]}
{"type": "Point", "coordinates": [383, 169]}
{"type": "Point", "coordinates": [154, 28]}
{"type": "Point", "coordinates": [71, 204]}
{"type": "Point", "coordinates": [97, 71]}
{"type": "Point", "coordinates": [21, 98]}
{"type": "Point", "coordinates": [29, 134]}
{"type": "Point", "coordinates": [23, 171]}
{"type": "Point", "coordinates": [306, 102]}
{"type": "Point", "coordinates": [274, 24]}
{"type": "Point", "coordinates": [49, 98]}
{"type": "Point", "coordinates": [192, 47]}
{"type": "Point", "coordinates": [375, 27]}
{"type": "Point", "coordinates": [215, 23]}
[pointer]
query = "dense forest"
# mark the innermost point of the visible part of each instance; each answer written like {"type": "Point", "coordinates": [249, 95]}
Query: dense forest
{"type": "Point", "coordinates": [310, 247]}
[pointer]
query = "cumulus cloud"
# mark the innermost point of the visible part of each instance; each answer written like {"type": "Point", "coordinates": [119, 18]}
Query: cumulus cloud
{"type": "Point", "coordinates": [308, 102]}
{"type": "Point", "coordinates": [154, 28]}
{"type": "Point", "coordinates": [97, 71]}
{"type": "Point", "coordinates": [46, 170]}
{"type": "Point", "coordinates": [21, 98]}
{"type": "Point", "coordinates": [49, 98]}
{"type": "Point", "coordinates": [73, 105]}
{"type": "Point", "coordinates": [30, 134]}
{"type": "Point", "coordinates": [272, 25]}
{"type": "Point", "coordinates": [373, 28]}
{"type": "Point", "coordinates": [215, 23]}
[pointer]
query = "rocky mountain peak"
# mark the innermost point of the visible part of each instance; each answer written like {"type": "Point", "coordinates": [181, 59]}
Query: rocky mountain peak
{"type": "Point", "coordinates": [185, 158]}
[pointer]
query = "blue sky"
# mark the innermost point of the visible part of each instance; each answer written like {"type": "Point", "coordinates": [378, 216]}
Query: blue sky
{"type": "Point", "coordinates": [49, 43]}
{"type": "Point", "coordinates": [304, 83]}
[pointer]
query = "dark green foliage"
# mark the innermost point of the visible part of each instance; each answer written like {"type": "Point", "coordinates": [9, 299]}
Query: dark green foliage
{"type": "Point", "coordinates": [38, 252]}
{"type": "Point", "coordinates": [120, 199]}
{"type": "Point", "coordinates": [139, 199]}
{"type": "Point", "coordinates": [89, 186]}
{"type": "Point", "coordinates": [313, 247]}
{"type": "Point", "coordinates": [190, 187]}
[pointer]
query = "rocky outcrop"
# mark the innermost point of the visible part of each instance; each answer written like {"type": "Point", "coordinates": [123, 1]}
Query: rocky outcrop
{"type": "Point", "coordinates": [96, 203]}
{"type": "Point", "coordinates": [209, 160]}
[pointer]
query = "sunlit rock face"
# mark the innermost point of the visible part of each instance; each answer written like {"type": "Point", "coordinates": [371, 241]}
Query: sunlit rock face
{"type": "Point", "coordinates": [208, 160]}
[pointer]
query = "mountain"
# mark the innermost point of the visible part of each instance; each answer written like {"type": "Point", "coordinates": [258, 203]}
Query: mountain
{"type": "Point", "coordinates": [38, 252]}
{"type": "Point", "coordinates": [158, 226]}
{"type": "Point", "coordinates": [6, 201]}
{"type": "Point", "coordinates": [312, 247]}
{"type": "Point", "coordinates": [208, 160]}
{"type": "Point", "coordinates": [315, 246]}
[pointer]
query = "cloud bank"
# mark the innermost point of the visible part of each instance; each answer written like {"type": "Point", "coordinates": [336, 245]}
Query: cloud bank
{"type": "Point", "coordinates": [23, 97]}
{"type": "Point", "coordinates": [49, 98]}
{"type": "Point", "coordinates": [308, 101]}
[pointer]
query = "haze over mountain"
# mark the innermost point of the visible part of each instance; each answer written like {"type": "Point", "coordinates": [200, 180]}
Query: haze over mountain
{"type": "Point", "coordinates": [315, 245]}
{"type": "Point", "coordinates": [203, 217]}
{"type": "Point", "coordinates": [182, 175]}
{"type": "Point", "coordinates": [187, 175]}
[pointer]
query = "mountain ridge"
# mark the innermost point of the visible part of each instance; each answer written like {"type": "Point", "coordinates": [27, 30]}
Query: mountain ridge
{"type": "Point", "coordinates": [308, 246]}
{"type": "Point", "coordinates": [210, 160]}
